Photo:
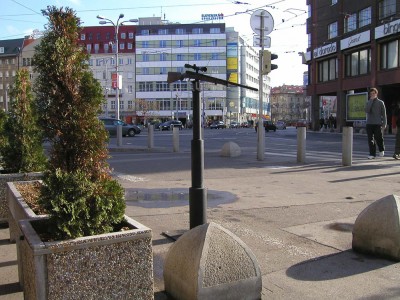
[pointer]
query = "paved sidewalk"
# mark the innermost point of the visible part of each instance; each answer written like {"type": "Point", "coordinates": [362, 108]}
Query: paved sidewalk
{"type": "Point", "coordinates": [296, 218]}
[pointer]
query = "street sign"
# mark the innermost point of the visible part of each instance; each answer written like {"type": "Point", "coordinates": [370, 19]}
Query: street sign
{"type": "Point", "coordinates": [266, 41]}
{"type": "Point", "coordinates": [255, 22]}
{"type": "Point", "coordinates": [116, 81]}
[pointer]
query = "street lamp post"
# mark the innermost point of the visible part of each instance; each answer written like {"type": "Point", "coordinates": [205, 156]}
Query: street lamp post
{"type": "Point", "coordinates": [116, 25]}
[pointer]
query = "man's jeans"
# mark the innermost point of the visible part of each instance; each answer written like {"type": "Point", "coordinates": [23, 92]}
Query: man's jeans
{"type": "Point", "coordinates": [374, 133]}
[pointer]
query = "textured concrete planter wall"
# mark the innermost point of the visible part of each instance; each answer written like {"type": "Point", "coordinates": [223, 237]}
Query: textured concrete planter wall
{"type": "Point", "coordinates": [109, 266]}
{"type": "Point", "coordinates": [4, 178]}
{"type": "Point", "coordinates": [18, 210]}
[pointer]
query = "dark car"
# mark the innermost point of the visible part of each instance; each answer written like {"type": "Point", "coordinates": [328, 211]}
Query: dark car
{"type": "Point", "coordinates": [217, 125]}
{"type": "Point", "coordinates": [171, 124]}
{"type": "Point", "coordinates": [268, 125]}
{"type": "Point", "coordinates": [127, 130]}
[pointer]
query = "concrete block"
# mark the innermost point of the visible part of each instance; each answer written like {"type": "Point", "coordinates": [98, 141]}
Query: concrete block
{"type": "Point", "coordinates": [377, 229]}
{"type": "Point", "coordinates": [210, 262]}
{"type": "Point", "coordinates": [231, 149]}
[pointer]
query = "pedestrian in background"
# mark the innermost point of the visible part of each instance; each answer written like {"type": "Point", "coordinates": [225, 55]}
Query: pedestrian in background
{"type": "Point", "coordinates": [376, 123]}
{"type": "Point", "coordinates": [396, 113]}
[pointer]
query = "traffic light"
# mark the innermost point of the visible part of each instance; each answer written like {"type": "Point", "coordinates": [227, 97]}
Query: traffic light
{"type": "Point", "coordinates": [267, 66]}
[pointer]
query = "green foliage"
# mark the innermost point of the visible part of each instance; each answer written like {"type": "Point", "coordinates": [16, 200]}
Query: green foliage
{"type": "Point", "coordinates": [21, 147]}
{"type": "Point", "coordinates": [80, 206]}
{"type": "Point", "coordinates": [68, 103]}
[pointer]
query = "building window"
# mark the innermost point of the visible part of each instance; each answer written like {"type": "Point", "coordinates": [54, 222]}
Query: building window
{"type": "Point", "coordinates": [106, 48]}
{"type": "Point", "coordinates": [121, 46]}
{"type": "Point", "coordinates": [146, 57]}
{"type": "Point", "coordinates": [350, 22]}
{"type": "Point", "coordinates": [180, 31]}
{"type": "Point", "coordinates": [358, 63]}
{"type": "Point", "coordinates": [123, 35]}
{"type": "Point", "coordinates": [197, 56]}
{"type": "Point", "coordinates": [98, 36]}
{"type": "Point", "coordinates": [364, 17]}
{"type": "Point", "coordinates": [390, 55]}
{"type": "Point", "coordinates": [215, 30]}
{"type": "Point", "coordinates": [130, 35]}
{"type": "Point", "coordinates": [163, 57]}
{"type": "Point", "coordinates": [96, 48]}
{"type": "Point", "coordinates": [121, 105]}
{"type": "Point", "coordinates": [129, 61]}
{"type": "Point", "coordinates": [163, 70]}
{"type": "Point", "coordinates": [197, 30]}
{"type": "Point", "coordinates": [130, 104]}
{"type": "Point", "coordinates": [214, 56]}
{"type": "Point", "coordinates": [130, 46]}
{"type": "Point", "coordinates": [163, 31]}
{"type": "Point", "coordinates": [214, 43]}
{"type": "Point", "coordinates": [112, 104]}
{"type": "Point", "coordinates": [89, 47]}
{"type": "Point", "coordinates": [90, 36]}
{"type": "Point", "coordinates": [163, 44]}
{"type": "Point", "coordinates": [179, 57]}
{"type": "Point", "coordinates": [332, 30]}
{"type": "Point", "coordinates": [130, 90]}
{"type": "Point", "coordinates": [387, 8]}
{"type": "Point", "coordinates": [108, 36]}
{"type": "Point", "coordinates": [179, 44]}
{"type": "Point", "coordinates": [145, 44]}
{"type": "Point", "coordinates": [197, 43]}
{"type": "Point", "coordinates": [327, 70]}
{"type": "Point", "coordinates": [83, 37]}
{"type": "Point", "coordinates": [144, 32]}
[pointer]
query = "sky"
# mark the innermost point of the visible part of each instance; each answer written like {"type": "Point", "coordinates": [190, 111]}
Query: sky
{"type": "Point", "coordinates": [19, 18]}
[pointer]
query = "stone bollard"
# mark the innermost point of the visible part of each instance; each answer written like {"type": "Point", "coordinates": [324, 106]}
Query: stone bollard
{"type": "Point", "coordinates": [301, 144]}
{"type": "Point", "coordinates": [377, 229]}
{"type": "Point", "coordinates": [175, 139]}
{"type": "Point", "coordinates": [150, 138]}
{"type": "Point", "coordinates": [210, 262]}
{"type": "Point", "coordinates": [231, 149]}
{"type": "Point", "coordinates": [347, 146]}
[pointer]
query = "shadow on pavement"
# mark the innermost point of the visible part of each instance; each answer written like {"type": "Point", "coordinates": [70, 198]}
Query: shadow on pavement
{"type": "Point", "coordinates": [335, 266]}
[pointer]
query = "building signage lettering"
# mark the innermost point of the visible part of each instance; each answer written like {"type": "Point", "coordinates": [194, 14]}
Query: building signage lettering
{"type": "Point", "coordinates": [212, 17]}
{"type": "Point", "coordinates": [355, 40]}
{"type": "Point", "coordinates": [387, 29]}
{"type": "Point", "coordinates": [325, 50]}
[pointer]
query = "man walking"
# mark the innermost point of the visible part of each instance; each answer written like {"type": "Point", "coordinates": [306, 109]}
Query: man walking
{"type": "Point", "coordinates": [376, 123]}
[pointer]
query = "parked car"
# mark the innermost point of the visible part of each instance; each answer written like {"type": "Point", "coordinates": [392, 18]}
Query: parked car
{"type": "Point", "coordinates": [217, 125]}
{"type": "Point", "coordinates": [268, 125]}
{"type": "Point", "coordinates": [127, 130]}
{"type": "Point", "coordinates": [171, 124]}
{"type": "Point", "coordinates": [234, 124]}
{"type": "Point", "coordinates": [301, 123]}
{"type": "Point", "coordinates": [280, 124]}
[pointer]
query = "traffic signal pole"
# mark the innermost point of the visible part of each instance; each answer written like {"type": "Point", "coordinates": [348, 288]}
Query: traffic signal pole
{"type": "Point", "coordinates": [260, 127]}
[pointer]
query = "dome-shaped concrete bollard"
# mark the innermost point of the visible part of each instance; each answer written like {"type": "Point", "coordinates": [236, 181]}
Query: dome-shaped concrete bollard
{"type": "Point", "coordinates": [377, 229]}
{"type": "Point", "coordinates": [210, 262]}
{"type": "Point", "coordinates": [231, 149]}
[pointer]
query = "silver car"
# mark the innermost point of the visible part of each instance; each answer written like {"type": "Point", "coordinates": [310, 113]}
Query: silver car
{"type": "Point", "coordinates": [127, 130]}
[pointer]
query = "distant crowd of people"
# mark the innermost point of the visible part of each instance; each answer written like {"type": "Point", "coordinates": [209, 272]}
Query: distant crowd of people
{"type": "Point", "coordinates": [328, 122]}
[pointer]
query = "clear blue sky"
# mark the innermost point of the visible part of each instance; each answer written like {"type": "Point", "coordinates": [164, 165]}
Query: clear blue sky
{"type": "Point", "coordinates": [20, 17]}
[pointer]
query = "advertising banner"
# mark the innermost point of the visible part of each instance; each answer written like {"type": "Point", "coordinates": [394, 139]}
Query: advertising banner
{"type": "Point", "coordinates": [355, 106]}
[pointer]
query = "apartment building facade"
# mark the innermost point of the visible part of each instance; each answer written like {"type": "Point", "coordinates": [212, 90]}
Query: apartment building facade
{"type": "Point", "coordinates": [353, 46]}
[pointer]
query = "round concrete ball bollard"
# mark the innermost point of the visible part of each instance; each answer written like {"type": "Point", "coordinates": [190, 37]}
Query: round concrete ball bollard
{"type": "Point", "coordinates": [231, 149]}
{"type": "Point", "coordinates": [377, 229]}
{"type": "Point", "coordinates": [210, 262]}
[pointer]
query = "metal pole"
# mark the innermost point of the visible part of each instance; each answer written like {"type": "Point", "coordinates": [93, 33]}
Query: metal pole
{"type": "Point", "coordinates": [260, 129]}
{"type": "Point", "coordinates": [197, 192]}
{"type": "Point", "coordinates": [119, 127]}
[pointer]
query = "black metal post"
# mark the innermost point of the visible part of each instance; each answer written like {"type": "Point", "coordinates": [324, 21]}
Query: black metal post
{"type": "Point", "coordinates": [197, 193]}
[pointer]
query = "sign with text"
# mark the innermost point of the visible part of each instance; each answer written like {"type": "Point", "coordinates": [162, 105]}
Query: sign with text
{"type": "Point", "coordinates": [355, 106]}
{"type": "Point", "coordinates": [116, 81]}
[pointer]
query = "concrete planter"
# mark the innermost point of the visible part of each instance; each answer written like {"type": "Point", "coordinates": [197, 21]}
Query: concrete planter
{"type": "Point", "coordinates": [18, 210]}
{"type": "Point", "coordinates": [4, 178]}
{"type": "Point", "coordinates": [117, 265]}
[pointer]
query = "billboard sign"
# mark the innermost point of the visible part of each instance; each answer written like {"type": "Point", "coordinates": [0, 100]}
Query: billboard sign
{"type": "Point", "coordinates": [355, 106]}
